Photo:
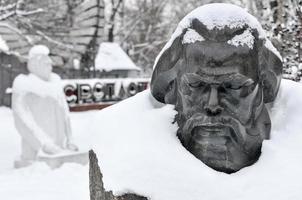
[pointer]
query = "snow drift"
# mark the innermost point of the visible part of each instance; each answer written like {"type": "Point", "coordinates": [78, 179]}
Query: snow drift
{"type": "Point", "coordinates": [139, 151]}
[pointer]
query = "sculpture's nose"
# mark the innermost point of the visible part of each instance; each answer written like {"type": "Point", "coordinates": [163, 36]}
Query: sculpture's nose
{"type": "Point", "coordinates": [212, 106]}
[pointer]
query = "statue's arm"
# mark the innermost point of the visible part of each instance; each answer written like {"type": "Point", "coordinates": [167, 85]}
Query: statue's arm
{"type": "Point", "coordinates": [26, 125]}
{"type": "Point", "coordinates": [68, 131]}
{"type": "Point", "coordinates": [69, 139]}
{"type": "Point", "coordinates": [63, 105]}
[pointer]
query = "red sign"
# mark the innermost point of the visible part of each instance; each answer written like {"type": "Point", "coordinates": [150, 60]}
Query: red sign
{"type": "Point", "coordinates": [101, 91]}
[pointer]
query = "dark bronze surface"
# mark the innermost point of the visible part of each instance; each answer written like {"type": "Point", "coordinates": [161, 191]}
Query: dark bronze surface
{"type": "Point", "coordinates": [219, 91]}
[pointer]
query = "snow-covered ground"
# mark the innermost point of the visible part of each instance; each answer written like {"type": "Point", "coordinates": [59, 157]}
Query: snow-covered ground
{"type": "Point", "coordinates": [39, 182]}
{"type": "Point", "coordinates": [143, 155]}
{"type": "Point", "coordinates": [139, 152]}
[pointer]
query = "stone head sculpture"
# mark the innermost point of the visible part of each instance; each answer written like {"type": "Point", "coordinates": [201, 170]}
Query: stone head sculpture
{"type": "Point", "coordinates": [219, 70]}
{"type": "Point", "coordinates": [39, 62]}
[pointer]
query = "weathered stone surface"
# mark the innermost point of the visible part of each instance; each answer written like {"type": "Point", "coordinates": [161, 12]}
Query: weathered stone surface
{"type": "Point", "coordinates": [96, 186]}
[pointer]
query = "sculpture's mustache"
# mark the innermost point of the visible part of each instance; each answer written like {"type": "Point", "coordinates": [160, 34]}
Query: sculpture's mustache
{"type": "Point", "coordinates": [199, 120]}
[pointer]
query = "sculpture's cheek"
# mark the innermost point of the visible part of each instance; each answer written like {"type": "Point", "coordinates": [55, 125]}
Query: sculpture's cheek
{"type": "Point", "coordinates": [242, 108]}
{"type": "Point", "coordinates": [188, 96]}
{"type": "Point", "coordinates": [250, 104]}
{"type": "Point", "coordinates": [192, 103]}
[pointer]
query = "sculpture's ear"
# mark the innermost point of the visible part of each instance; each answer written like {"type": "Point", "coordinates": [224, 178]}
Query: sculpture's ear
{"type": "Point", "coordinates": [164, 73]}
{"type": "Point", "coordinates": [270, 72]}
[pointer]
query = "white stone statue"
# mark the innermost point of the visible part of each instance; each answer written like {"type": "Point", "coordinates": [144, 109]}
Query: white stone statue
{"type": "Point", "coordinates": [40, 110]}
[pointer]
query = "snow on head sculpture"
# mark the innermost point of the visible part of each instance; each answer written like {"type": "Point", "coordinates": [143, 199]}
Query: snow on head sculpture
{"type": "Point", "coordinates": [219, 70]}
{"type": "Point", "coordinates": [39, 63]}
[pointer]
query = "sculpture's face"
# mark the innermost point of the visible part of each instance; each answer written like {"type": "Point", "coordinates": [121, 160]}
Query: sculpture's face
{"type": "Point", "coordinates": [41, 66]}
{"type": "Point", "coordinates": [219, 70]}
{"type": "Point", "coordinates": [221, 114]}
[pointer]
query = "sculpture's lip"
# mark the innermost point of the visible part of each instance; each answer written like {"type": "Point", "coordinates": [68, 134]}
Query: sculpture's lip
{"type": "Point", "coordinates": [215, 130]}
{"type": "Point", "coordinates": [209, 130]}
{"type": "Point", "coordinates": [212, 127]}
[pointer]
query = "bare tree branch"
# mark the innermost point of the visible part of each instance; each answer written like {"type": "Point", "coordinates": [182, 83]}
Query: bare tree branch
{"type": "Point", "coordinates": [2, 24]}
{"type": "Point", "coordinates": [16, 9]}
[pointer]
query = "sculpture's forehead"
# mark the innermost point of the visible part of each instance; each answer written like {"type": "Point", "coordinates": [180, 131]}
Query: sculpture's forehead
{"type": "Point", "coordinates": [216, 59]}
{"type": "Point", "coordinates": [217, 51]}
{"type": "Point", "coordinates": [218, 71]}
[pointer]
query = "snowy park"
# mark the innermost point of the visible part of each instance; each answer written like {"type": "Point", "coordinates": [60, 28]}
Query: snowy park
{"type": "Point", "coordinates": [150, 100]}
{"type": "Point", "coordinates": [153, 153]}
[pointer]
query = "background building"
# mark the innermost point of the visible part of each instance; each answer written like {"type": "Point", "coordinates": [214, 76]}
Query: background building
{"type": "Point", "coordinates": [112, 61]}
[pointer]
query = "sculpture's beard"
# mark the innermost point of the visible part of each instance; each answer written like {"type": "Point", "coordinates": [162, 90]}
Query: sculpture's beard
{"type": "Point", "coordinates": [222, 143]}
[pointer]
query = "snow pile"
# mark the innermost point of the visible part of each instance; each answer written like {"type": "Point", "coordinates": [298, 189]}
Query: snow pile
{"type": "Point", "coordinates": [220, 15]}
{"type": "Point", "coordinates": [246, 38]}
{"type": "Point", "coordinates": [112, 57]}
{"type": "Point", "coordinates": [3, 45]}
{"type": "Point", "coordinates": [139, 151]}
{"type": "Point", "coordinates": [38, 181]}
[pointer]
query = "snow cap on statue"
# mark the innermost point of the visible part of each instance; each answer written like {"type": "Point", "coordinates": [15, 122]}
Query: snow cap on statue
{"type": "Point", "coordinates": [38, 50]}
{"type": "Point", "coordinates": [39, 62]}
{"type": "Point", "coordinates": [223, 23]}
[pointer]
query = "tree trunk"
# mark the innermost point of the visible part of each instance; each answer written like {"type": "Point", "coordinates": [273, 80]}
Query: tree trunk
{"type": "Point", "coordinates": [96, 186]}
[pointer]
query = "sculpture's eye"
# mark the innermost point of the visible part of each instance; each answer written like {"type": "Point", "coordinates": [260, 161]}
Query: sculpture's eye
{"type": "Point", "coordinates": [196, 84]}
{"type": "Point", "coordinates": [193, 80]}
{"type": "Point", "coordinates": [228, 85]}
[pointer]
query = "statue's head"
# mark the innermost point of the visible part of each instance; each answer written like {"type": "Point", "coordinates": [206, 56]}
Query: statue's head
{"type": "Point", "coordinates": [219, 70]}
{"type": "Point", "coordinates": [39, 62]}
